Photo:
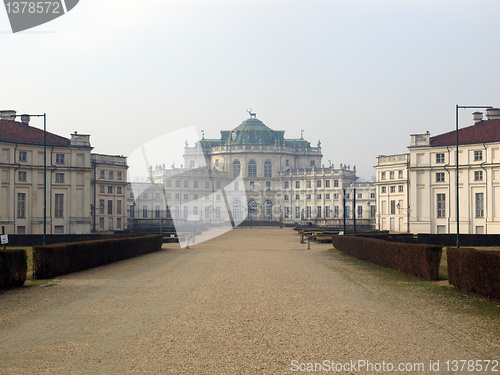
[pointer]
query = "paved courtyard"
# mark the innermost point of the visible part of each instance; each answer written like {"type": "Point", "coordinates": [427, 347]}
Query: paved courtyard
{"type": "Point", "coordinates": [253, 301]}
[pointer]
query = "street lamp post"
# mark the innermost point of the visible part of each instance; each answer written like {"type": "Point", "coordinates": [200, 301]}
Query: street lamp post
{"type": "Point", "coordinates": [457, 179]}
{"type": "Point", "coordinates": [44, 171]}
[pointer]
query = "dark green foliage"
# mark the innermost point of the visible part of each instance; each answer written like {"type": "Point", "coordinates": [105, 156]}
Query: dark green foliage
{"type": "Point", "coordinates": [475, 271]}
{"type": "Point", "coordinates": [13, 268]}
{"type": "Point", "coordinates": [415, 260]}
{"type": "Point", "coordinates": [53, 260]}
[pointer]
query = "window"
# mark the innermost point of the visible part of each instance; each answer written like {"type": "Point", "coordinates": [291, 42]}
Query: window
{"type": "Point", "coordinates": [111, 175]}
{"type": "Point", "coordinates": [59, 205]}
{"type": "Point", "coordinates": [21, 229]}
{"type": "Point", "coordinates": [101, 223]}
{"type": "Point", "coordinates": [118, 207]}
{"type": "Point", "coordinates": [268, 210]}
{"type": "Point", "coordinates": [287, 184]}
{"type": "Point", "coordinates": [217, 184]}
{"type": "Point", "coordinates": [327, 183]}
{"type": "Point", "coordinates": [384, 189]}
{"type": "Point", "coordinates": [21, 205]}
{"type": "Point", "coordinates": [145, 212]}
{"type": "Point", "coordinates": [297, 197]}
{"type": "Point", "coordinates": [372, 211]}
{"type": "Point", "coordinates": [393, 207]}
{"type": "Point", "coordinates": [118, 190]}
{"type": "Point", "coordinates": [236, 186]}
{"type": "Point", "coordinates": [157, 212]}
{"type": "Point", "coordinates": [313, 163]}
{"type": "Point", "coordinates": [236, 211]}
{"type": "Point", "coordinates": [360, 212]}
{"type": "Point", "coordinates": [287, 212]}
{"type": "Point", "coordinates": [348, 212]}
{"type": "Point", "coordinates": [335, 195]}
{"type": "Point", "coordinates": [252, 185]}
{"type": "Point", "coordinates": [400, 188]}
{"type": "Point", "coordinates": [308, 196]}
{"type": "Point", "coordinates": [101, 206]}
{"type": "Point", "coordinates": [318, 183]}
{"type": "Point", "coordinates": [287, 162]}
{"type": "Point", "coordinates": [177, 183]}
{"type": "Point", "coordinates": [393, 189]}
{"type": "Point", "coordinates": [360, 195]}
{"type": "Point", "coordinates": [169, 183]}
{"type": "Point", "coordinates": [119, 176]}
{"type": "Point", "coordinates": [110, 207]}
{"type": "Point", "coordinates": [119, 223]}
{"type": "Point", "coordinates": [195, 196]}
{"type": "Point", "coordinates": [439, 158]}
{"type": "Point", "coordinates": [400, 174]}
{"type": "Point", "coordinates": [59, 158]}
{"type": "Point", "coordinates": [318, 196]}
{"type": "Point", "coordinates": [478, 155]}
{"type": "Point", "coordinates": [268, 185]}
{"type": "Point", "coordinates": [391, 175]}
{"type": "Point", "coordinates": [297, 212]}
{"type": "Point", "coordinates": [336, 211]}
{"type": "Point", "coordinates": [268, 169]}
{"type": "Point", "coordinates": [297, 184]}
{"type": "Point", "coordinates": [186, 197]}
{"type": "Point", "coordinates": [335, 183]}
{"type": "Point", "coordinates": [328, 212]}
{"type": "Point", "coordinates": [195, 184]}
{"type": "Point", "coordinates": [132, 213]}
{"type": "Point", "coordinates": [308, 184]}
{"type": "Point", "coordinates": [382, 175]}
{"type": "Point", "coordinates": [479, 205]}
{"type": "Point", "coordinates": [145, 195]}
{"type": "Point", "coordinates": [186, 183]}
{"type": "Point", "coordinates": [308, 212]}
{"type": "Point", "coordinates": [195, 210]}
{"type": "Point", "coordinates": [478, 175]}
{"type": "Point", "coordinates": [207, 184]}
{"type": "Point", "coordinates": [347, 196]}
{"type": "Point", "coordinates": [191, 164]}
{"type": "Point", "coordinates": [252, 169]}
{"type": "Point", "coordinates": [58, 229]}
{"type": "Point", "coordinates": [318, 212]}
{"type": "Point", "coordinates": [101, 175]}
{"type": "Point", "coordinates": [441, 205]}
{"type": "Point", "coordinates": [327, 196]}
{"type": "Point", "coordinates": [110, 189]}
{"type": "Point", "coordinates": [23, 156]}
{"type": "Point", "coordinates": [21, 176]}
{"type": "Point", "coordinates": [286, 197]}
{"type": "Point", "coordinates": [60, 178]}
{"type": "Point", "coordinates": [101, 188]}
{"type": "Point", "coordinates": [372, 195]}
{"type": "Point", "coordinates": [440, 177]}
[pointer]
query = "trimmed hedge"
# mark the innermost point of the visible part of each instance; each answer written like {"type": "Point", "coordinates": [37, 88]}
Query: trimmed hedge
{"type": "Point", "coordinates": [475, 271]}
{"type": "Point", "coordinates": [54, 260]}
{"type": "Point", "coordinates": [421, 261]}
{"type": "Point", "coordinates": [13, 268]}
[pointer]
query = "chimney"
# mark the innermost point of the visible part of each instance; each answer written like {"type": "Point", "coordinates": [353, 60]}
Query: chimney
{"type": "Point", "coordinates": [477, 117]}
{"type": "Point", "coordinates": [493, 113]}
{"type": "Point", "coordinates": [8, 115]}
{"type": "Point", "coordinates": [25, 119]}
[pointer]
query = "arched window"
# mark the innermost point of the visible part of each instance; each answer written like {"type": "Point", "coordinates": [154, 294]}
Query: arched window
{"type": "Point", "coordinates": [236, 211]}
{"type": "Point", "coordinates": [253, 212]}
{"type": "Point", "coordinates": [236, 168]}
{"type": "Point", "coordinates": [252, 169]}
{"type": "Point", "coordinates": [268, 210]}
{"type": "Point", "coordinates": [268, 169]}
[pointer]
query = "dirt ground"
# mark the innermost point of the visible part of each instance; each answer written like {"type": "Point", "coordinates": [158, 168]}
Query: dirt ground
{"type": "Point", "coordinates": [253, 301]}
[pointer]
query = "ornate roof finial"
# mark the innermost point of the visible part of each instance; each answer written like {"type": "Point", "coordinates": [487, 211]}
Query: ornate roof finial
{"type": "Point", "coordinates": [301, 133]}
{"type": "Point", "coordinates": [203, 134]}
{"type": "Point", "coordinates": [252, 114]}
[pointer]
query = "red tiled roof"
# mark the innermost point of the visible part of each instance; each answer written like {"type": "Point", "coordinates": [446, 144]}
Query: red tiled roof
{"type": "Point", "coordinates": [482, 132]}
{"type": "Point", "coordinates": [18, 132]}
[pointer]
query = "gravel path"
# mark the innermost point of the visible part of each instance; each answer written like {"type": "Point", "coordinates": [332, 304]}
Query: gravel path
{"type": "Point", "coordinates": [252, 301]}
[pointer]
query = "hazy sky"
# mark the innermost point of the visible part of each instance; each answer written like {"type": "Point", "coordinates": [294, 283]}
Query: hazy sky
{"type": "Point", "coordinates": [359, 76]}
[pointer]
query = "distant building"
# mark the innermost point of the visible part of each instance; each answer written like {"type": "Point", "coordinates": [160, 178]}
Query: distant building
{"type": "Point", "coordinates": [109, 181]}
{"type": "Point", "coordinates": [283, 180]}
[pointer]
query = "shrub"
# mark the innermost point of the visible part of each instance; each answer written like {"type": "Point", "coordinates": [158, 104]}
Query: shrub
{"type": "Point", "coordinates": [475, 271]}
{"type": "Point", "coordinates": [13, 268]}
{"type": "Point", "coordinates": [53, 260]}
{"type": "Point", "coordinates": [416, 260]}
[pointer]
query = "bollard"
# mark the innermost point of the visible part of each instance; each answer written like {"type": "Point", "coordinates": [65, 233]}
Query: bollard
{"type": "Point", "coordinates": [308, 243]}
{"type": "Point", "coordinates": [187, 242]}
{"type": "Point", "coordinates": [301, 238]}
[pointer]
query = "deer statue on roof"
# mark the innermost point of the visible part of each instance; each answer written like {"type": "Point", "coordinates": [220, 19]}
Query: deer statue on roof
{"type": "Point", "coordinates": [252, 114]}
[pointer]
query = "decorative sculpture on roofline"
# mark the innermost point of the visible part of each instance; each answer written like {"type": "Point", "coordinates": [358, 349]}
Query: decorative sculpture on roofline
{"type": "Point", "coordinates": [252, 114]}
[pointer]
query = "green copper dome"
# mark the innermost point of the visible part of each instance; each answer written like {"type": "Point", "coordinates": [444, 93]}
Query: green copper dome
{"type": "Point", "coordinates": [253, 124]}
